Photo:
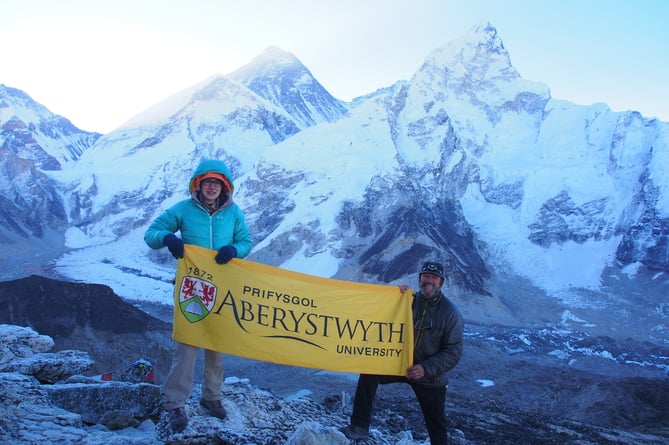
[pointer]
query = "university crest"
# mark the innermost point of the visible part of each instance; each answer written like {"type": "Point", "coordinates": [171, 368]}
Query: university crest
{"type": "Point", "coordinates": [196, 298]}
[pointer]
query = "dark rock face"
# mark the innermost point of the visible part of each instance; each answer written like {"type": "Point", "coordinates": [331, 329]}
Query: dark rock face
{"type": "Point", "coordinates": [560, 220]}
{"type": "Point", "coordinates": [271, 203]}
{"type": "Point", "coordinates": [646, 241]}
{"type": "Point", "coordinates": [31, 207]}
{"type": "Point", "coordinates": [417, 229]}
{"type": "Point", "coordinates": [57, 308]}
{"type": "Point", "coordinates": [87, 317]}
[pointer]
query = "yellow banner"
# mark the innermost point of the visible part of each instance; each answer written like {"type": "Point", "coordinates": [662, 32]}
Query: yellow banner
{"type": "Point", "coordinates": [266, 313]}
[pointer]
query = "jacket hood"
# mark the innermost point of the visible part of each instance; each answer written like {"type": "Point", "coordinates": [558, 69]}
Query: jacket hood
{"type": "Point", "coordinates": [210, 166]}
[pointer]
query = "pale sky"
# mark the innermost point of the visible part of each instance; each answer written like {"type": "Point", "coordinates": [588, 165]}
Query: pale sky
{"type": "Point", "coordinates": [98, 62]}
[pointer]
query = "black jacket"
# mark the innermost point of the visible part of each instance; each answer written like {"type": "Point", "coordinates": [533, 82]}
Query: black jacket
{"type": "Point", "coordinates": [438, 331]}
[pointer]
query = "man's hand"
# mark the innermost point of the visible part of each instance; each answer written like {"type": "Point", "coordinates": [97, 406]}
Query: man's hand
{"type": "Point", "coordinates": [416, 372]}
{"type": "Point", "coordinates": [404, 287]}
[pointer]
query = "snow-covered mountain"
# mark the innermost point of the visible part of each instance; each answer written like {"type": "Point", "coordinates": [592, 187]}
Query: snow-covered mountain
{"type": "Point", "coordinates": [33, 141]}
{"type": "Point", "coordinates": [33, 133]}
{"type": "Point", "coordinates": [279, 77]}
{"type": "Point", "coordinates": [535, 204]}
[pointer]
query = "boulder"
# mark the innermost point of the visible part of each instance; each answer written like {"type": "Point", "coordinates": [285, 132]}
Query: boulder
{"type": "Point", "coordinates": [107, 402]}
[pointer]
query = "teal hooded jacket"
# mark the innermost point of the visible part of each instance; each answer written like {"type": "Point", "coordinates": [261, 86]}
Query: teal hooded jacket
{"type": "Point", "coordinates": [225, 227]}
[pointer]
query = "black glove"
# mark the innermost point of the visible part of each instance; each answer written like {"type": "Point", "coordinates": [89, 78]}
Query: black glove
{"type": "Point", "coordinates": [175, 245]}
{"type": "Point", "coordinates": [225, 254]}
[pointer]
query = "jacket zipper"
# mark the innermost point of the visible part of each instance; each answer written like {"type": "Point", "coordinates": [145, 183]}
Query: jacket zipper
{"type": "Point", "coordinates": [418, 338]}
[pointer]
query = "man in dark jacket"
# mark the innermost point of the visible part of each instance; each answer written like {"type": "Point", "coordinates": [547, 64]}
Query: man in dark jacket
{"type": "Point", "coordinates": [438, 330]}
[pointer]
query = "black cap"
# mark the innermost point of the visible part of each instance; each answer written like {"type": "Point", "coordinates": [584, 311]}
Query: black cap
{"type": "Point", "coordinates": [433, 268]}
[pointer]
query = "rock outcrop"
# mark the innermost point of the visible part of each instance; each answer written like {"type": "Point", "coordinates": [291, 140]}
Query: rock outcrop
{"type": "Point", "coordinates": [87, 317]}
{"type": "Point", "coordinates": [68, 408]}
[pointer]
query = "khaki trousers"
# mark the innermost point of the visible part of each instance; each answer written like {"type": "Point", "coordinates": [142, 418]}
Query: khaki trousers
{"type": "Point", "coordinates": [179, 382]}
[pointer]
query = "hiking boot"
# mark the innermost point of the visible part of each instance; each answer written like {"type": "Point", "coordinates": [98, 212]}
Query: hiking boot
{"type": "Point", "coordinates": [354, 432]}
{"type": "Point", "coordinates": [177, 419]}
{"type": "Point", "coordinates": [214, 408]}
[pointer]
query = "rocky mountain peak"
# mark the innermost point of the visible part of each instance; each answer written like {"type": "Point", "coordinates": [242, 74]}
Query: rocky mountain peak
{"type": "Point", "coordinates": [272, 60]}
{"type": "Point", "coordinates": [488, 38]}
{"type": "Point", "coordinates": [279, 77]}
{"type": "Point", "coordinates": [34, 133]}
{"type": "Point", "coordinates": [474, 52]}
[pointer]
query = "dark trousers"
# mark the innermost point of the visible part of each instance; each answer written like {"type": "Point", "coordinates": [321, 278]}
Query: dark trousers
{"type": "Point", "coordinates": [430, 398]}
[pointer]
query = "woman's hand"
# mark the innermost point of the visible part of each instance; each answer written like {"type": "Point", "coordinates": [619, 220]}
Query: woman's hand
{"type": "Point", "coordinates": [225, 254]}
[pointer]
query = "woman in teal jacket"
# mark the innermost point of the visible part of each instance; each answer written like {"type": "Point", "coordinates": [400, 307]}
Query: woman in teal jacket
{"type": "Point", "coordinates": [209, 219]}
